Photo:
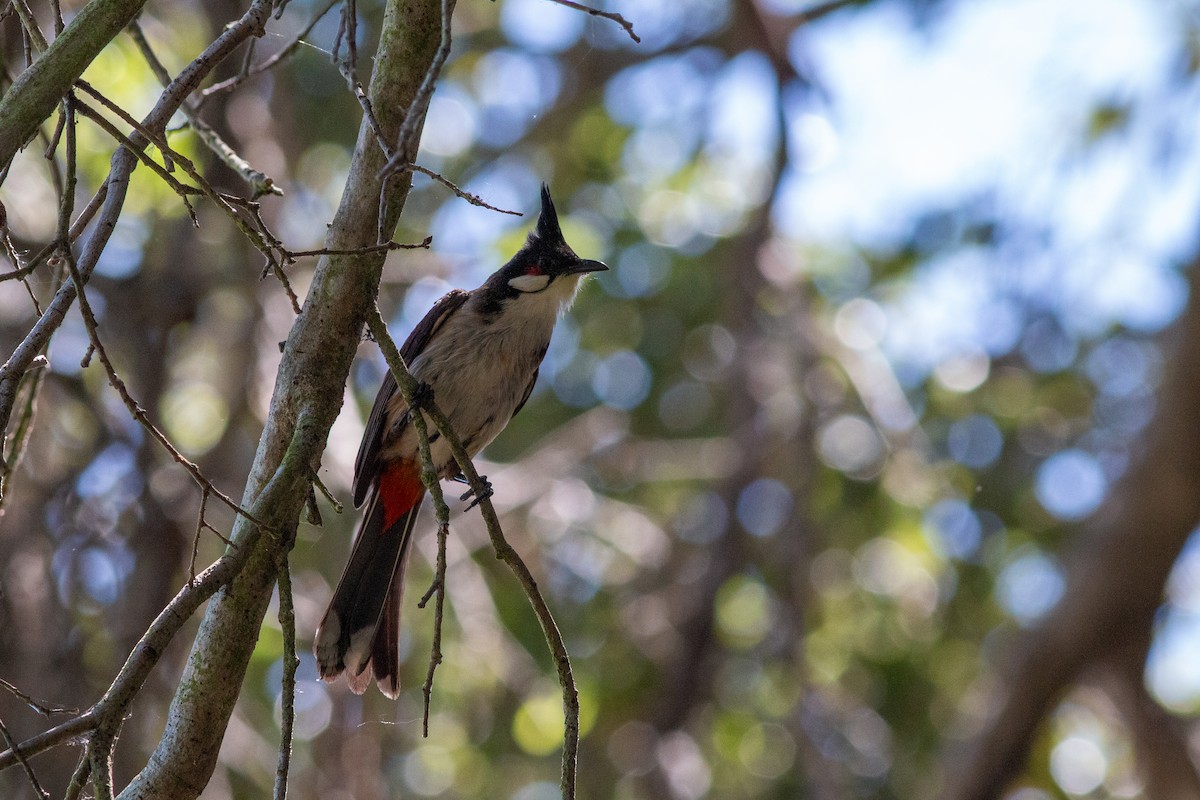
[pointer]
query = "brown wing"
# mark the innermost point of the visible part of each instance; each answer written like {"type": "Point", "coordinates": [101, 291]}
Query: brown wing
{"type": "Point", "coordinates": [528, 391]}
{"type": "Point", "coordinates": [366, 466]}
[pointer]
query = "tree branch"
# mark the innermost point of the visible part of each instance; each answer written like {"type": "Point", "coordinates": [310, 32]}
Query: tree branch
{"type": "Point", "coordinates": [35, 93]}
{"type": "Point", "coordinates": [308, 394]}
{"type": "Point", "coordinates": [595, 12]}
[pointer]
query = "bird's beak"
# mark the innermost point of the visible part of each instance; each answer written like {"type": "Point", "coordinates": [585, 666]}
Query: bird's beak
{"type": "Point", "coordinates": [587, 265]}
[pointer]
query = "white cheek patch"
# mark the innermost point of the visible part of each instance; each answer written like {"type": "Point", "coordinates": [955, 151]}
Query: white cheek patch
{"type": "Point", "coordinates": [530, 283]}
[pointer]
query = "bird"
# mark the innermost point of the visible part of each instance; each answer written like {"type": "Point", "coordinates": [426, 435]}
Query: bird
{"type": "Point", "coordinates": [479, 353]}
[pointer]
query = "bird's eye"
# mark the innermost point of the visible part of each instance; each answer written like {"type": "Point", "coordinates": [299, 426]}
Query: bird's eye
{"type": "Point", "coordinates": [533, 269]}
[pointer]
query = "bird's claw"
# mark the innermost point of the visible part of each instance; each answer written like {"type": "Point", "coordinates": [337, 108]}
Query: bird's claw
{"type": "Point", "coordinates": [479, 496]}
{"type": "Point", "coordinates": [422, 395]}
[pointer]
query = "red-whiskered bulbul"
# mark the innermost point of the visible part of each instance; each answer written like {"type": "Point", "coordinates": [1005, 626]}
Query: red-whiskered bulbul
{"type": "Point", "coordinates": [479, 352]}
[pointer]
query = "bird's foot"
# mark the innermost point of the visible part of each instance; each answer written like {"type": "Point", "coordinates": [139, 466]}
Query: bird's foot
{"type": "Point", "coordinates": [422, 396]}
{"type": "Point", "coordinates": [479, 496]}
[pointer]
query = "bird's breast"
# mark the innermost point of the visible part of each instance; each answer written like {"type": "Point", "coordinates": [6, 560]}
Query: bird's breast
{"type": "Point", "coordinates": [479, 370]}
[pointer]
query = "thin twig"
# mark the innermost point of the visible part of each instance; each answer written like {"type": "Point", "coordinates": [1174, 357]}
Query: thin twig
{"type": "Point", "coordinates": [347, 30]}
{"type": "Point", "coordinates": [181, 189]}
{"type": "Point", "coordinates": [230, 84]}
{"type": "Point", "coordinates": [10, 251]}
{"type": "Point", "coordinates": [439, 587]}
{"type": "Point", "coordinates": [110, 710]}
{"type": "Point", "coordinates": [201, 525]}
{"type": "Point", "coordinates": [473, 199]}
{"type": "Point", "coordinates": [77, 228]}
{"type": "Point", "coordinates": [429, 478]}
{"type": "Point", "coordinates": [259, 181]}
{"type": "Point", "coordinates": [360, 251]}
{"type": "Point", "coordinates": [252, 23]}
{"type": "Point", "coordinates": [407, 138]}
{"type": "Point", "coordinates": [287, 623]}
{"type": "Point", "coordinates": [31, 384]}
{"type": "Point", "coordinates": [63, 732]}
{"type": "Point", "coordinates": [260, 237]}
{"type": "Point", "coordinates": [595, 12]}
{"type": "Point", "coordinates": [29, 773]}
{"type": "Point", "coordinates": [79, 778]}
{"type": "Point", "coordinates": [337, 506]}
{"type": "Point", "coordinates": [29, 24]}
{"type": "Point", "coordinates": [43, 708]}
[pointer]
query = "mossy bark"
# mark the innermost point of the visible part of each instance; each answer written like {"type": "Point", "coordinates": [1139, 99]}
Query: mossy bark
{"type": "Point", "coordinates": [39, 89]}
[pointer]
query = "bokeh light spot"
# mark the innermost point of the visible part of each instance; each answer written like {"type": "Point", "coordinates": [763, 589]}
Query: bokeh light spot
{"type": "Point", "coordinates": [622, 380]}
{"type": "Point", "coordinates": [429, 770]}
{"type": "Point", "coordinates": [767, 750]}
{"type": "Point", "coordinates": [643, 270]}
{"type": "Point", "coordinates": [860, 324]}
{"type": "Point", "coordinates": [685, 405]}
{"type": "Point", "coordinates": [1029, 586]}
{"type": "Point", "coordinates": [763, 506]}
{"type": "Point", "coordinates": [975, 441]}
{"type": "Point", "coordinates": [1047, 347]}
{"type": "Point", "coordinates": [702, 519]}
{"type": "Point", "coordinates": [538, 724]}
{"type": "Point", "coordinates": [1171, 673]}
{"type": "Point", "coordinates": [851, 444]}
{"type": "Point", "coordinates": [687, 772]}
{"type": "Point", "coordinates": [540, 26]}
{"type": "Point", "coordinates": [1070, 485]}
{"type": "Point", "coordinates": [1078, 765]}
{"type": "Point", "coordinates": [963, 372]}
{"type": "Point", "coordinates": [449, 124]}
{"type": "Point", "coordinates": [744, 611]}
{"type": "Point", "coordinates": [955, 528]}
{"type": "Point", "coordinates": [195, 416]}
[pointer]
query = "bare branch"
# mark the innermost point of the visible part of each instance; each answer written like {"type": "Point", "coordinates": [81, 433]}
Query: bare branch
{"type": "Point", "coordinates": [108, 713]}
{"type": "Point", "coordinates": [287, 623]}
{"type": "Point", "coordinates": [64, 732]}
{"type": "Point", "coordinates": [76, 231]}
{"type": "Point", "coordinates": [38, 89]}
{"type": "Point", "coordinates": [41, 707]}
{"type": "Point", "coordinates": [29, 23]}
{"type": "Point", "coordinates": [615, 17]}
{"type": "Point", "coordinates": [232, 83]}
{"type": "Point", "coordinates": [473, 199]}
{"type": "Point", "coordinates": [358, 251]}
{"type": "Point", "coordinates": [79, 778]}
{"type": "Point", "coordinates": [259, 181]}
{"type": "Point", "coordinates": [348, 29]}
{"type": "Point", "coordinates": [438, 587]}
{"type": "Point", "coordinates": [29, 773]}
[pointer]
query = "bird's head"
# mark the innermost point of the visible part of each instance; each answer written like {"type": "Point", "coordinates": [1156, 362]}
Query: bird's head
{"type": "Point", "coordinates": [546, 265]}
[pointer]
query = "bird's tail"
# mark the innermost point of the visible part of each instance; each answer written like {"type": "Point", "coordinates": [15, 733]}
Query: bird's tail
{"type": "Point", "coordinates": [359, 633]}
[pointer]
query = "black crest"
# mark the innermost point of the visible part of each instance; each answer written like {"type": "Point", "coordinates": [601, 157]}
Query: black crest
{"type": "Point", "coordinates": [547, 225]}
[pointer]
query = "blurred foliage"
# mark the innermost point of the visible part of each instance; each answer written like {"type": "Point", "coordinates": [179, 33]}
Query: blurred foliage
{"type": "Point", "coordinates": [789, 488]}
